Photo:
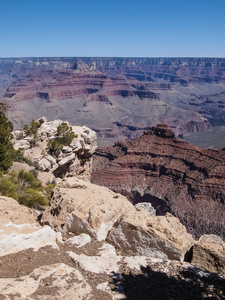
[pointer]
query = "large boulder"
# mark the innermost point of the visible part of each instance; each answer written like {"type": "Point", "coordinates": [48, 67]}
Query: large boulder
{"type": "Point", "coordinates": [209, 253]}
{"type": "Point", "coordinates": [161, 237]}
{"type": "Point", "coordinates": [78, 206]}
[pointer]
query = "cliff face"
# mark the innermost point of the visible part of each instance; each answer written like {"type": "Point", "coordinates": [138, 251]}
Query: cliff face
{"type": "Point", "coordinates": [117, 97]}
{"type": "Point", "coordinates": [163, 170]}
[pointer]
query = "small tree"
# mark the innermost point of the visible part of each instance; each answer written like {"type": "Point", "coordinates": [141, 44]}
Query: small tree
{"type": "Point", "coordinates": [64, 137]}
{"type": "Point", "coordinates": [65, 134]}
{"type": "Point", "coordinates": [6, 147]}
{"type": "Point", "coordinates": [25, 188]}
{"type": "Point", "coordinates": [32, 131]}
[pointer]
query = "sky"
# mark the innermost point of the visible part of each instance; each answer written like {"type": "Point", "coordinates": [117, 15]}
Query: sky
{"type": "Point", "coordinates": [112, 28]}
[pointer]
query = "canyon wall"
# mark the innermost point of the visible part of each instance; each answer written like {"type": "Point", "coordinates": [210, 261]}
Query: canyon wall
{"type": "Point", "coordinates": [117, 97]}
{"type": "Point", "coordinates": [169, 173]}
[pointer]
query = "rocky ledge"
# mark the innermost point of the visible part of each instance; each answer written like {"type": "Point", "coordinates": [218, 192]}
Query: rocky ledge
{"type": "Point", "coordinates": [92, 243]}
{"type": "Point", "coordinates": [98, 246]}
{"type": "Point", "coordinates": [67, 159]}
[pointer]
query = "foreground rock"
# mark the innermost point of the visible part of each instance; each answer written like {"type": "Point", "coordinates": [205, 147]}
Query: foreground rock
{"type": "Point", "coordinates": [209, 254]}
{"type": "Point", "coordinates": [159, 237]}
{"type": "Point", "coordinates": [19, 229]}
{"type": "Point", "coordinates": [78, 206]}
{"type": "Point", "coordinates": [81, 267]}
{"type": "Point", "coordinates": [64, 283]}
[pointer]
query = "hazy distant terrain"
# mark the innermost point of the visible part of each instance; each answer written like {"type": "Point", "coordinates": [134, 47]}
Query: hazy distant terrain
{"type": "Point", "coordinates": [120, 97]}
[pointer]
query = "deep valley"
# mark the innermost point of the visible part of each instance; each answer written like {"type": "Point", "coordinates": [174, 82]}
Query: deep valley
{"type": "Point", "coordinates": [120, 97]}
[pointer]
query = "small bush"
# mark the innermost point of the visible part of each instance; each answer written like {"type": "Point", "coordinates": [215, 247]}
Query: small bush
{"type": "Point", "coordinates": [83, 161]}
{"type": "Point", "coordinates": [32, 131]}
{"type": "Point", "coordinates": [65, 134]}
{"type": "Point", "coordinates": [25, 188]}
{"type": "Point", "coordinates": [55, 147]}
{"type": "Point", "coordinates": [64, 137]}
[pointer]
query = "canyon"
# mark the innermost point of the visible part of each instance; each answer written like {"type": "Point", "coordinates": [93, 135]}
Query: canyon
{"type": "Point", "coordinates": [171, 174]}
{"type": "Point", "coordinates": [91, 242]}
{"type": "Point", "coordinates": [119, 98]}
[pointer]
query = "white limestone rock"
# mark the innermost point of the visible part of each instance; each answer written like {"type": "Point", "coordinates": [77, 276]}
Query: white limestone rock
{"type": "Point", "coordinates": [15, 242]}
{"type": "Point", "coordinates": [44, 164]}
{"type": "Point", "coordinates": [78, 206]}
{"type": "Point", "coordinates": [161, 237]}
{"type": "Point", "coordinates": [209, 253]}
{"type": "Point", "coordinates": [19, 229]}
{"type": "Point", "coordinates": [105, 262]}
{"type": "Point", "coordinates": [80, 240]}
{"type": "Point", "coordinates": [67, 159]}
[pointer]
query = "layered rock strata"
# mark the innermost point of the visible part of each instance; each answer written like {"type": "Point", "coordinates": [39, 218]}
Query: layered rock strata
{"type": "Point", "coordinates": [117, 97]}
{"type": "Point", "coordinates": [161, 169]}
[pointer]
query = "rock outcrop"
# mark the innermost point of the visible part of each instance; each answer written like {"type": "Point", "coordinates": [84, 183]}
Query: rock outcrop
{"type": "Point", "coordinates": [159, 168]}
{"type": "Point", "coordinates": [209, 254]}
{"type": "Point", "coordinates": [104, 214]}
{"type": "Point", "coordinates": [159, 237]}
{"type": "Point", "coordinates": [68, 159]}
{"type": "Point", "coordinates": [78, 206]}
{"type": "Point", "coordinates": [20, 231]}
{"type": "Point", "coordinates": [84, 267]}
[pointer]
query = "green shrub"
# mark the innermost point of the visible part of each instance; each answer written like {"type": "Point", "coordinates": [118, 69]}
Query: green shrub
{"type": "Point", "coordinates": [32, 198]}
{"type": "Point", "coordinates": [64, 137]}
{"type": "Point", "coordinates": [32, 131]}
{"type": "Point", "coordinates": [25, 188]}
{"type": "Point", "coordinates": [28, 179]}
{"type": "Point", "coordinates": [7, 151]}
{"type": "Point", "coordinates": [65, 134]}
{"type": "Point", "coordinates": [55, 147]}
{"type": "Point", "coordinates": [8, 188]}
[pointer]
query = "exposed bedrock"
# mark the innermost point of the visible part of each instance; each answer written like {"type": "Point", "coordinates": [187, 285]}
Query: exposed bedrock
{"type": "Point", "coordinates": [161, 169]}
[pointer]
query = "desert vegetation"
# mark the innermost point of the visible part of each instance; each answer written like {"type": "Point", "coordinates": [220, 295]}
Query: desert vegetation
{"type": "Point", "coordinates": [25, 188]}
{"type": "Point", "coordinates": [64, 137]}
{"type": "Point", "coordinates": [7, 152]}
{"type": "Point", "coordinates": [32, 131]}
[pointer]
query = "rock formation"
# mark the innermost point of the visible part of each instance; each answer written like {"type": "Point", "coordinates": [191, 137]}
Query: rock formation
{"type": "Point", "coordinates": [209, 253]}
{"type": "Point", "coordinates": [159, 237]}
{"type": "Point", "coordinates": [68, 158]}
{"type": "Point", "coordinates": [77, 265]}
{"type": "Point", "coordinates": [92, 243]}
{"type": "Point", "coordinates": [96, 214]}
{"type": "Point", "coordinates": [165, 171]}
{"type": "Point", "coordinates": [19, 229]}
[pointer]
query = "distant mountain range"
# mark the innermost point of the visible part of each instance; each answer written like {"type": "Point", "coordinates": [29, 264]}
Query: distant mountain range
{"type": "Point", "coordinates": [120, 97]}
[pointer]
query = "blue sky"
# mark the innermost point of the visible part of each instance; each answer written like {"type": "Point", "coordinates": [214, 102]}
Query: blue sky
{"type": "Point", "coordinates": [141, 28]}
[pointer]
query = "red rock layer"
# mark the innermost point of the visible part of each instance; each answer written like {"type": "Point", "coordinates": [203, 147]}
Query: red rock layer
{"type": "Point", "coordinates": [159, 168]}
